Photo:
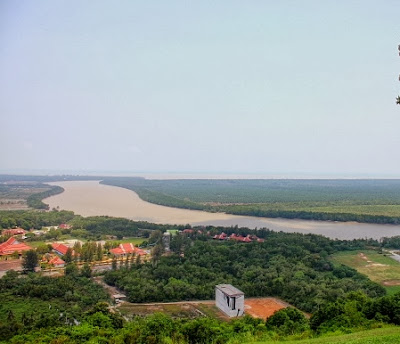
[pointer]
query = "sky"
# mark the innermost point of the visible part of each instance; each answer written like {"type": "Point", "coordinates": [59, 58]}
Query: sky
{"type": "Point", "coordinates": [282, 88]}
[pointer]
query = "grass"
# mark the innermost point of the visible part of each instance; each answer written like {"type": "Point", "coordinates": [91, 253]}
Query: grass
{"type": "Point", "coordinates": [388, 335]}
{"type": "Point", "coordinates": [378, 267]}
{"type": "Point", "coordinates": [174, 310]}
{"type": "Point", "coordinates": [133, 240]}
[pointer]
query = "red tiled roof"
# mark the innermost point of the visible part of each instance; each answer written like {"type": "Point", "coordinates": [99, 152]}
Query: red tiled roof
{"type": "Point", "coordinates": [56, 261]}
{"type": "Point", "coordinates": [60, 248]}
{"type": "Point", "coordinates": [13, 245]}
{"type": "Point", "coordinates": [127, 248]}
{"type": "Point", "coordinates": [64, 226]}
{"type": "Point", "coordinates": [13, 231]}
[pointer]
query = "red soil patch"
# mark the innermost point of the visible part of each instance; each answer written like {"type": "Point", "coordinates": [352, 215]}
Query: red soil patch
{"type": "Point", "coordinates": [391, 283]}
{"type": "Point", "coordinates": [264, 307]}
{"type": "Point", "coordinates": [10, 264]}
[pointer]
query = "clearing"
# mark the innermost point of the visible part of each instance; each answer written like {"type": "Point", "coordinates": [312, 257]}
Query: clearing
{"type": "Point", "coordinates": [256, 307]}
{"type": "Point", "coordinates": [378, 267]}
{"type": "Point", "coordinates": [10, 264]}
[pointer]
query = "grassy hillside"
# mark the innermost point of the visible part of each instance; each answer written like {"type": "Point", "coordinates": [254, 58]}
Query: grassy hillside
{"type": "Point", "coordinates": [378, 267]}
{"type": "Point", "coordinates": [389, 335]}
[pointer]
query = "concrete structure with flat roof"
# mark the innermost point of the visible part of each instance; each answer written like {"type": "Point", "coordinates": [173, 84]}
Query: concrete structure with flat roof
{"type": "Point", "coordinates": [229, 299]}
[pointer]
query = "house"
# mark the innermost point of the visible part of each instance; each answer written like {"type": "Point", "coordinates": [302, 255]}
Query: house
{"type": "Point", "coordinates": [221, 236]}
{"type": "Point", "coordinates": [57, 262]}
{"type": "Point", "coordinates": [64, 226]}
{"type": "Point", "coordinates": [125, 249]}
{"type": "Point", "coordinates": [229, 300]}
{"type": "Point", "coordinates": [13, 231]}
{"type": "Point", "coordinates": [60, 249]}
{"type": "Point", "coordinates": [11, 246]}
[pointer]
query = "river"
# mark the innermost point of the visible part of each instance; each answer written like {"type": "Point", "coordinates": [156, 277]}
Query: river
{"type": "Point", "coordinates": [89, 198]}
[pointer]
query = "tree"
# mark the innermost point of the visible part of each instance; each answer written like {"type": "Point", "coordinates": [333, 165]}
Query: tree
{"type": "Point", "coordinates": [86, 271]}
{"type": "Point", "coordinates": [114, 264]}
{"type": "Point", "coordinates": [99, 252]}
{"type": "Point", "coordinates": [71, 270]}
{"type": "Point", "coordinates": [68, 256]}
{"type": "Point", "coordinates": [288, 321]}
{"type": "Point", "coordinates": [30, 261]}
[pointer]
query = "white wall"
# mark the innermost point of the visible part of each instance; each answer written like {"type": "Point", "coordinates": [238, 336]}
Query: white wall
{"type": "Point", "coordinates": [235, 307]}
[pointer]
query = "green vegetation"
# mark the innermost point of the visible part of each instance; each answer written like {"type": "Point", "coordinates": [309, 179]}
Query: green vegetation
{"type": "Point", "coordinates": [35, 200]}
{"type": "Point", "coordinates": [378, 267]}
{"type": "Point", "coordinates": [297, 268]}
{"type": "Point", "coordinates": [293, 267]}
{"type": "Point", "coordinates": [33, 302]}
{"type": "Point", "coordinates": [30, 261]}
{"type": "Point", "coordinates": [374, 201]}
{"type": "Point", "coordinates": [387, 335]}
{"type": "Point", "coordinates": [30, 193]}
{"type": "Point", "coordinates": [33, 219]}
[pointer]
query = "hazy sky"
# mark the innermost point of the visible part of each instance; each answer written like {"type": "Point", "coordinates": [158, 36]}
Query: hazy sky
{"type": "Point", "coordinates": [272, 87]}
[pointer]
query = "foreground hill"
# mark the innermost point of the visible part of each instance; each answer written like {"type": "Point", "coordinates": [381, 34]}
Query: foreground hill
{"type": "Point", "coordinates": [389, 335]}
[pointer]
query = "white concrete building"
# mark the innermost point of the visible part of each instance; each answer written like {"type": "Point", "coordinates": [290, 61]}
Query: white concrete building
{"type": "Point", "coordinates": [229, 299]}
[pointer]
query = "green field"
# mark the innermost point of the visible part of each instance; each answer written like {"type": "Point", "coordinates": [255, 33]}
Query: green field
{"type": "Point", "coordinates": [390, 335]}
{"type": "Point", "coordinates": [135, 241]}
{"type": "Point", "coordinates": [378, 267]}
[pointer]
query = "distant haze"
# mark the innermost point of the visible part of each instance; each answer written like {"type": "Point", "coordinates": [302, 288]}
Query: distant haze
{"type": "Point", "coordinates": [241, 88]}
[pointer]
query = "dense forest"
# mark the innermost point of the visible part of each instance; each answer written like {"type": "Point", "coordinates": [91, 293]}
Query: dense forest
{"type": "Point", "coordinates": [33, 303]}
{"type": "Point", "coordinates": [293, 267]}
{"type": "Point", "coordinates": [372, 201]}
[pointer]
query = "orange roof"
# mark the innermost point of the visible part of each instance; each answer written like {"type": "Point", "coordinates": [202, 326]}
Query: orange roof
{"type": "Point", "coordinates": [56, 261]}
{"type": "Point", "coordinates": [13, 245]}
{"type": "Point", "coordinates": [127, 248]}
{"type": "Point", "coordinates": [13, 231]}
{"type": "Point", "coordinates": [60, 248]}
{"type": "Point", "coordinates": [64, 226]}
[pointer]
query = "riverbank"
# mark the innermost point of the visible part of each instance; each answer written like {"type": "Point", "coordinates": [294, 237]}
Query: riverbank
{"type": "Point", "coordinates": [368, 201]}
{"type": "Point", "coordinates": [89, 198]}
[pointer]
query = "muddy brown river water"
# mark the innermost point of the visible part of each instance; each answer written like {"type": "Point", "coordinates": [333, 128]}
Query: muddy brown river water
{"type": "Point", "coordinates": [89, 198]}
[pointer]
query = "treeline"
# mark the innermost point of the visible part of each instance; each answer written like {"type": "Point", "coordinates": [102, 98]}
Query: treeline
{"type": "Point", "coordinates": [37, 303]}
{"type": "Point", "coordinates": [254, 210]}
{"type": "Point", "coordinates": [367, 191]}
{"type": "Point", "coordinates": [294, 267]}
{"type": "Point", "coordinates": [10, 178]}
{"type": "Point", "coordinates": [99, 226]}
{"type": "Point", "coordinates": [144, 188]}
{"type": "Point", "coordinates": [271, 198]}
{"type": "Point", "coordinates": [35, 200]}
{"type": "Point", "coordinates": [28, 219]}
